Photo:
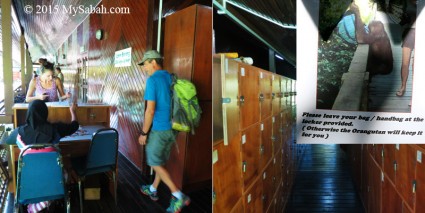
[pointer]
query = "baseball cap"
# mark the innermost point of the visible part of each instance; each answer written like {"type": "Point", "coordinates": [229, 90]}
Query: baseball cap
{"type": "Point", "coordinates": [150, 54]}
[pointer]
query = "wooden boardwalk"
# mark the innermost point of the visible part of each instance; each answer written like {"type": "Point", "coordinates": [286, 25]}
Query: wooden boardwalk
{"type": "Point", "coordinates": [323, 183]}
{"type": "Point", "coordinates": [383, 88]}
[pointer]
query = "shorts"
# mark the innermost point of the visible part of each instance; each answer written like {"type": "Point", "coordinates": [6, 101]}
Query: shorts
{"type": "Point", "coordinates": [158, 147]}
{"type": "Point", "coordinates": [409, 38]}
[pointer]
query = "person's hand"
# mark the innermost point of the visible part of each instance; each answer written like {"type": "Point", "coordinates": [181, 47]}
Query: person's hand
{"type": "Point", "coordinates": [43, 97]}
{"type": "Point", "coordinates": [68, 95]}
{"type": "Point", "coordinates": [142, 139]}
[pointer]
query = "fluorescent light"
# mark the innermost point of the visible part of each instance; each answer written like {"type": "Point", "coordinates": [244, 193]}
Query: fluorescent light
{"type": "Point", "coordinates": [279, 57]}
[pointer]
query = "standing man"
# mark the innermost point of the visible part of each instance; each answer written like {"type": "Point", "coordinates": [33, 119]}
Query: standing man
{"type": "Point", "coordinates": [161, 136]}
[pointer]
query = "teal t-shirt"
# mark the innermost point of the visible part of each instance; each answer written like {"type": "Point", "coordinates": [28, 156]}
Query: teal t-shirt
{"type": "Point", "coordinates": [158, 89]}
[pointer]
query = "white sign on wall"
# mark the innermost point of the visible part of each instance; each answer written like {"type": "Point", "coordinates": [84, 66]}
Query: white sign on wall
{"type": "Point", "coordinates": [123, 58]}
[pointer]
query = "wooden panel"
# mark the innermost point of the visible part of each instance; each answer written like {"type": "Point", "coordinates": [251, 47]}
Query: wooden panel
{"type": "Point", "coordinates": [378, 154]}
{"type": "Point", "coordinates": [389, 160]}
{"type": "Point", "coordinates": [420, 183]}
{"type": "Point", "coordinates": [239, 207]}
{"type": "Point", "coordinates": [276, 94]}
{"type": "Point", "coordinates": [278, 165]}
{"type": "Point", "coordinates": [405, 174]}
{"type": "Point", "coordinates": [249, 90]}
{"type": "Point", "coordinates": [265, 94]}
{"type": "Point", "coordinates": [251, 154]}
{"type": "Point", "coordinates": [253, 197]}
{"type": "Point", "coordinates": [407, 209]}
{"type": "Point", "coordinates": [268, 179]}
{"type": "Point", "coordinates": [391, 200]}
{"type": "Point", "coordinates": [266, 147]}
{"type": "Point", "coordinates": [227, 182]}
{"type": "Point", "coordinates": [365, 171]}
{"type": "Point", "coordinates": [374, 187]}
{"type": "Point", "coordinates": [202, 74]}
{"type": "Point", "coordinates": [227, 89]}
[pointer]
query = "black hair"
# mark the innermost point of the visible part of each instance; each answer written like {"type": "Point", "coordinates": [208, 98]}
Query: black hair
{"type": "Point", "coordinates": [58, 68]}
{"type": "Point", "coordinates": [159, 61]}
{"type": "Point", "coordinates": [47, 66]}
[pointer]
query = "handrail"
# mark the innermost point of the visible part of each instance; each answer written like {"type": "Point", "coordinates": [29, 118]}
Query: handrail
{"type": "Point", "coordinates": [352, 95]}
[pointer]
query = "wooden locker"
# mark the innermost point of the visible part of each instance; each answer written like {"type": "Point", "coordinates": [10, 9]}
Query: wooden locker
{"type": "Point", "coordinates": [266, 147]}
{"type": "Point", "coordinates": [374, 186]}
{"type": "Point", "coordinates": [391, 200]}
{"type": "Point", "coordinates": [250, 140]}
{"type": "Point", "coordinates": [268, 179]}
{"type": "Point", "coordinates": [276, 94]}
{"type": "Point", "coordinates": [239, 207]}
{"type": "Point", "coordinates": [364, 178]}
{"type": "Point", "coordinates": [405, 156]}
{"type": "Point", "coordinates": [278, 168]}
{"type": "Point", "coordinates": [226, 115]}
{"type": "Point", "coordinates": [253, 197]}
{"type": "Point", "coordinates": [265, 94]}
{"type": "Point", "coordinates": [277, 132]}
{"type": "Point", "coordinates": [249, 103]}
{"type": "Point", "coordinates": [407, 209]}
{"type": "Point", "coordinates": [389, 161]}
{"type": "Point", "coordinates": [420, 180]}
{"type": "Point", "coordinates": [227, 186]}
{"type": "Point", "coordinates": [279, 199]}
{"type": "Point", "coordinates": [187, 54]}
{"type": "Point", "coordinates": [378, 152]}
{"type": "Point", "coordinates": [285, 93]}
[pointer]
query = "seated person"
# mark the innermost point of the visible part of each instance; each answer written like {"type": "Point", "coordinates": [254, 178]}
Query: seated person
{"type": "Point", "coordinates": [38, 130]}
{"type": "Point", "coordinates": [46, 86]}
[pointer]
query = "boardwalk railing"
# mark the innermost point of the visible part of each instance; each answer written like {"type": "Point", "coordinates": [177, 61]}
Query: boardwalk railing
{"type": "Point", "coordinates": [353, 93]}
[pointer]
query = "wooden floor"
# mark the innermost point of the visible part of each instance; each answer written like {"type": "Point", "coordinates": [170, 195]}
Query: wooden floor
{"type": "Point", "coordinates": [323, 183]}
{"type": "Point", "coordinates": [130, 199]}
{"type": "Point", "coordinates": [383, 88]}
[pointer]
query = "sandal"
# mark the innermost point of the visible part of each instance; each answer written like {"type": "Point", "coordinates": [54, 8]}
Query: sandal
{"type": "Point", "coordinates": [400, 93]}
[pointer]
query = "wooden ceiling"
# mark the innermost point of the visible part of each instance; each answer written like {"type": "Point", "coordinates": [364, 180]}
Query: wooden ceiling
{"type": "Point", "coordinates": [46, 31]}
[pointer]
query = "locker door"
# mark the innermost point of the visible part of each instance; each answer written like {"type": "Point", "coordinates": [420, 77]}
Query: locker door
{"type": "Point", "coordinates": [268, 179]}
{"type": "Point", "coordinates": [374, 185]}
{"type": "Point", "coordinates": [266, 147]}
{"type": "Point", "coordinates": [277, 132]}
{"type": "Point", "coordinates": [391, 200]}
{"type": "Point", "coordinates": [378, 152]}
{"type": "Point", "coordinates": [253, 197]}
{"type": "Point", "coordinates": [278, 168]}
{"type": "Point", "coordinates": [365, 171]}
{"type": "Point", "coordinates": [250, 139]}
{"type": "Point", "coordinates": [249, 103]}
{"type": "Point", "coordinates": [389, 161]}
{"type": "Point", "coordinates": [420, 179]}
{"type": "Point", "coordinates": [238, 208]}
{"type": "Point", "coordinates": [276, 94]}
{"type": "Point", "coordinates": [265, 94]}
{"type": "Point", "coordinates": [405, 174]}
{"type": "Point", "coordinates": [225, 101]}
{"type": "Point", "coordinates": [285, 93]}
{"type": "Point", "coordinates": [227, 182]}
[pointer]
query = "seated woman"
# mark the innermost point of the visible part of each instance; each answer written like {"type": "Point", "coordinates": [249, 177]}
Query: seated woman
{"type": "Point", "coordinates": [38, 130]}
{"type": "Point", "coordinates": [45, 86]}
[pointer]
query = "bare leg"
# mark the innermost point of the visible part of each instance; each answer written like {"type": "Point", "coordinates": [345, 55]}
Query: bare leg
{"type": "Point", "coordinates": [156, 181]}
{"type": "Point", "coordinates": [163, 175]}
{"type": "Point", "coordinates": [406, 52]}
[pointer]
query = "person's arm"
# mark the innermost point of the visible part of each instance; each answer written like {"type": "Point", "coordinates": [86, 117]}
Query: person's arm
{"type": "Point", "coordinates": [30, 93]}
{"type": "Point", "coordinates": [149, 113]}
{"type": "Point", "coordinates": [69, 129]}
{"type": "Point", "coordinates": [361, 36]}
{"type": "Point", "coordinates": [62, 94]}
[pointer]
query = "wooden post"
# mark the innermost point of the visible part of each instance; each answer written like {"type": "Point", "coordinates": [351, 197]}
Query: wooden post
{"type": "Point", "coordinates": [6, 24]}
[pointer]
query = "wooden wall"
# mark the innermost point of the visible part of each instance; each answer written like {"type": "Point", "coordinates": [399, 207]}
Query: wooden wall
{"type": "Point", "coordinates": [122, 88]}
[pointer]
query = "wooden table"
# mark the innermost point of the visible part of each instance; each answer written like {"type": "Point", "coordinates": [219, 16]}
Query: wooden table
{"type": "Point", "coordinates": [91, 117]}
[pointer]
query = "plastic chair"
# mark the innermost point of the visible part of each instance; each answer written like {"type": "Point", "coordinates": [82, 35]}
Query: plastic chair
{"type": "Point", "coordinates": [40, 177]}
{"type": "Point", "coordinates": [102, 157]}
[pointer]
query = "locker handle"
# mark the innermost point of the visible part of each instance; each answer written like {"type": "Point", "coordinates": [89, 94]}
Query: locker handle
{"type": "Point", "coordinates": [414, 186]}
{"type": "Point", "coordinates": [263, 198]}
{"type": "Point", "coordinates": [395, 165]}
{"type": "Point", "coordinates": [273, 138]}
{"type": "Point", "coordinates": [261, 149]}
{"type": "Point", "coordinates": [214, 197]}
{"type": "Point", "coordinates": [244, 165]}
{"type": "Point", "coordinates": [261, 97]}
{"type": "Point", "coordinates": [273, 95]}
{"type": "Point", "coordinates": [241, 100]}
{"type": "Point", "coordinates": [280, 129]}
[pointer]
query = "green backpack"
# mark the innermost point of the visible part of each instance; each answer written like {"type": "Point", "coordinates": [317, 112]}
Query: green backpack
{"type": "Point", "coordinates": [185, 113]}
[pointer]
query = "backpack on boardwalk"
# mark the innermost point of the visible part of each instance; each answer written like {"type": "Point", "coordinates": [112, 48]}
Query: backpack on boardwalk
{"type": "Point", "coordinates": [185, 111]}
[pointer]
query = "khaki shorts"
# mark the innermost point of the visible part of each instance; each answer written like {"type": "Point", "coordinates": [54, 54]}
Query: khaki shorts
{"type": "Point", "coordinates": [159, 146]}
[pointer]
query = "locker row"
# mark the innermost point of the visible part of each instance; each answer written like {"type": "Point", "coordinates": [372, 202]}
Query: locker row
{"type": "Point", "coordinates": [390, 177]}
